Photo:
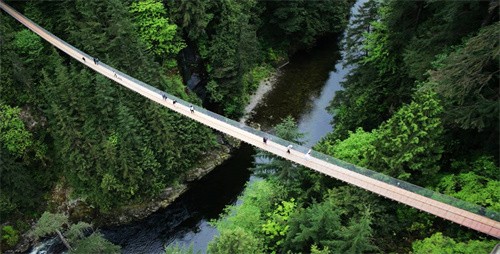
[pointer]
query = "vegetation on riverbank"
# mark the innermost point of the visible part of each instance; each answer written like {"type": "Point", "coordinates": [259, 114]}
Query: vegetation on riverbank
{"type": "Point", "coordinates": [421, 104]}
{"type": "Point", "coordinates": [236, 39]}
{"type": "Point", "coordinates": [63, 125]}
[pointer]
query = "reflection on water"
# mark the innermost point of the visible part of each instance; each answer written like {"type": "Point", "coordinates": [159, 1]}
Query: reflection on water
{"type": "Point", "coordinates": [300, 85]}
{"type": "Point", "coordinates": [303, 91]}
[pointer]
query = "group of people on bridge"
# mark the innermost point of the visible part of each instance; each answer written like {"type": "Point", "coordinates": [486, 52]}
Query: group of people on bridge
{"type": "Point", "coordinates": [289, 148]}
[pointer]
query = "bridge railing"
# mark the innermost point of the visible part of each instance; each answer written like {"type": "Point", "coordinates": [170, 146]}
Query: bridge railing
{"type": "Point", "coordinates": [360, 170]}
{"type": "Point", "coordinates": [298, 148]}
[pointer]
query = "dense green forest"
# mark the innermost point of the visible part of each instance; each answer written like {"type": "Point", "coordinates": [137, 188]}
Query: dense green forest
{"type": "Point", "coordinates": [67, 133]}
{"type": "Point", "coordinates": [421, 103]}
{"type": "Point", "coordinates": [237, 40]}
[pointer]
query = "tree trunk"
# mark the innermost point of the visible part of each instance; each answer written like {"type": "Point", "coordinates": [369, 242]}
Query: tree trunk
{"type": "Point", "coordinates": [63, 240]}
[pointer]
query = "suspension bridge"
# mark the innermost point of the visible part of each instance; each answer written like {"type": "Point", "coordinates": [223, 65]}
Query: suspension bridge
{"type": "Point", "coordinates": [446, 207]}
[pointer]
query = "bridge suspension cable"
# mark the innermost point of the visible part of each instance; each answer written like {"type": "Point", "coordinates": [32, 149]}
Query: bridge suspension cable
{"type": "Point", "coordinates": [446, 207]}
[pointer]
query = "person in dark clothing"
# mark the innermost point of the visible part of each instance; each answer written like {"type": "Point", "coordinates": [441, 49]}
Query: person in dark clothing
{"type": "Point", "coordinates": [83, 58]}
{"type": "Point", "coordinates": [174, 101]}
{"type": "Point", "coordinates": [164, 96]}
{"type": "Point", "coordinates": [265, 140]}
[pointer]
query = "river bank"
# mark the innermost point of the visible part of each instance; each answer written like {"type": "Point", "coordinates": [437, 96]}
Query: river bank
{"type": "Point", "coordinates": [78, 210]}
{"type": "Point", "coordinates": [61, 201]}
{"type": "Point", "coordinates": [265, 86]}
{"type": "Point", "coordinates": [304, 88]}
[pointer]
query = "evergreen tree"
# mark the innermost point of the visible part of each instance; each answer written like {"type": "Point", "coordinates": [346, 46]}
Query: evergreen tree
{"type": "Point", "coordinates": [360, 26]}
{"type": "Point", "coordinates": [155, 29]}
{"type": "Point", "coordinates": [357, 237]}
{"type": "Point", "coordinates": [318, 224]}
{"type": "Point", "coordinates": [268, 164]}
{"type": "Point", "coordinates": [50, 223]}
{"type": "Point", "coordinates": [468, 79]}
{"type": "Point", "coordinates": [410, 141]}
{"type": "Point", "coordinates": [234, 241]}
{"type": "Point", "coordinates": [193, 16]}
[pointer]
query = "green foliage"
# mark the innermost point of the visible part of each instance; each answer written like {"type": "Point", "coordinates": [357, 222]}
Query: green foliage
{"type": "Point", "coordinates": [409, 142]}
{"type": "Point", "coordinates": [299, 23]}
{"type": "Point", "coordinates": [318, 224]}
{"type": "Point", "coordinates": [234, 241]}
{"type": "Point", "coordinates": [193, 16]}
{"type": "Point", "coordinates": [476, 183]}
{"type": "Point", "coordinates": [357, 237]}
{"type": "Point", "coordinates": [438, 243]}
{"type": "Point", "coordinates": [467, 79]}
{"type": "Point", "coordinates": [179, 249]}
{"type": "Point", "coordinates": [13, 134]}
{"type": "Point", "coordinates": [258, 199]}
{"type": "Point", "coordinates": [77, 231]}
{"type": "Point", "coordinates": [23, 160]}
{"type": "Point", "coordinates": [316, 250]}
{"type": "Point", "coordinates": [29, 45]}
{"type": "Point", "coordinates": [275, 228]}
{"type": "Point", "coordinates": [353, 149]}
{"type": "Point", "coordinates": [231, 51]}
{"type": "Point", "coordinates": [440, 24]}
{"type": "Point", "coordinates": [95, 243]}
{"type": "Point", "coordinates": [49, 224]}
{"type": "Point", "coordinates": [360, 25]}
{"type": "Point", "coordinates": [252, 78]}
{"type": "Point", "coordinates": [274, 166]}
{"type": "Point", "coordinates": [10, 236]}
{"type": "Point", "coordinates": [155, 28]}
{"type": "Point", "coordinates": [377, 50]}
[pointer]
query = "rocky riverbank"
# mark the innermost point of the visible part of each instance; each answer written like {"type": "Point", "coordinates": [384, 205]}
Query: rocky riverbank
{"type": "Point", "coordinates": [79, 210]}
{"type": "Point", "coordinates": [265, 86]}
{"type": "Point", "coordinates": [135, 212]}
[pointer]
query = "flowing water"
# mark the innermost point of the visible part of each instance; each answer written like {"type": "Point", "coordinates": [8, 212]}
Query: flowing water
{"type": "Point", "coordinates": [303, 90]}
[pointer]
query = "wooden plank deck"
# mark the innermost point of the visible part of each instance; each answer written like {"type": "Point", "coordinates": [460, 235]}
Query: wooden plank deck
{"type": "Point", "coordinates": [440, 209]}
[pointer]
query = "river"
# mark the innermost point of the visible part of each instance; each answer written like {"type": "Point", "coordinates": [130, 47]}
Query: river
{"type": "Point", "coordinates": [303, 90]}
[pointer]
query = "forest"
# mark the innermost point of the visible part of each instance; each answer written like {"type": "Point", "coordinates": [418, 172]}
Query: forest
{"type": "Point", "coordinates": [68, 134]}
{"type": "Point", "coordinates": [421, 103]}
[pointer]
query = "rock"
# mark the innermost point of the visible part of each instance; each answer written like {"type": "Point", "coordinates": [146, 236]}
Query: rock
{"type": "Point", "coordinates": [134, 212]}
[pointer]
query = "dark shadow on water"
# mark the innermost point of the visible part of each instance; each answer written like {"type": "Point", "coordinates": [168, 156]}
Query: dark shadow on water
{"type": "Point", "coordinates": [302, 81]}
{"type": "Point", "coordinates": [186, 221]}
{"type": "Point", "coordinates": [204, 201]}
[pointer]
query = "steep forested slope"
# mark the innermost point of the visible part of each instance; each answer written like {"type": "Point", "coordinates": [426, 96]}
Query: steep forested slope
{"type": "Point", "coordinates": [63, 123]}
{"type": "Point", "coordinates": [421, 103]}
{"type": "Point", "coordinates": [234, 38]}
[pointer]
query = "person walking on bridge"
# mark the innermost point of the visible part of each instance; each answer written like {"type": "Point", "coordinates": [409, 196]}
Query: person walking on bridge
{"type": "Point", "coordinates": [191, 108]}
{"type": "Point", "coordinates": [288, 148]}
{"type": "Point", "coordinates": [308, 154]}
